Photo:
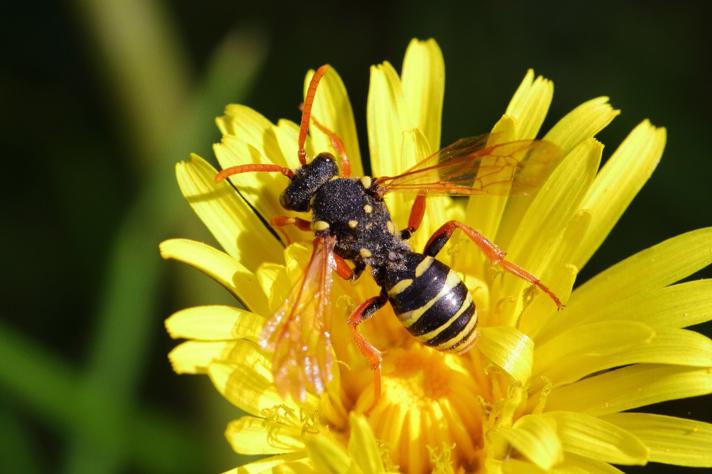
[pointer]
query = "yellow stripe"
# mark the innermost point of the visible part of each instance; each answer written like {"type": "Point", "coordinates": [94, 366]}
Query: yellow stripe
{"type": "Point", "coordinates": [448, 345]}
{"type": "Point", "coordinates": [438, 330]}
{"type": "Point", "coordinates": [400, 287]}
{"type": "Point", "coordinates": [423, 266]}
{"type": "Point", "coordinates": [410, 317]}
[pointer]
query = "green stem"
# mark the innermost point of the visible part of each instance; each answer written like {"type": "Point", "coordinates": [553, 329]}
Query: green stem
{"type": "Point", "coordinates": [128, 314]}
{"type": "Point", "coordinates": [139, 56]}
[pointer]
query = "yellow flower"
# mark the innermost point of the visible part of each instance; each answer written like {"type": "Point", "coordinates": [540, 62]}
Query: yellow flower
{"type": "Point", "coordinates": [541, 390]}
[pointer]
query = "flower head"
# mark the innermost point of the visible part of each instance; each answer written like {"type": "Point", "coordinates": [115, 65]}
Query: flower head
{"type": "Point", "coordinates": [541, 390]}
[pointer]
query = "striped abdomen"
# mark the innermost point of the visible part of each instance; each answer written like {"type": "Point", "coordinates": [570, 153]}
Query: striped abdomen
{"type": "Point", "coordinates": [435, 306]}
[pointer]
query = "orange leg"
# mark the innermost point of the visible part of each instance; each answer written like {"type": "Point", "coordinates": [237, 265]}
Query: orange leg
{"type": "Point", "coordinates": [338, 145]}
{"type": "Point", "coordinates": [345, 271]}
{"type": "Point", "coordinates": [362, 312]}
{"type": "Point", "coordinates": [491, 251]}
{"type": "Point", "coordinates": [280, 221]}
{"type": "Point", "coordinates": [416, 217]}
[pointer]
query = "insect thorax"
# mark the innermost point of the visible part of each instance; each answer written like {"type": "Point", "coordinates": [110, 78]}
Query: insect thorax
{"type": "Point", "coordinates": [359, 220]}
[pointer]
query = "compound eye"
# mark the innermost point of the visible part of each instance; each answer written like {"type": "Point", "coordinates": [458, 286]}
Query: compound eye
{"type": "Point", "coordinates": [285, 201]}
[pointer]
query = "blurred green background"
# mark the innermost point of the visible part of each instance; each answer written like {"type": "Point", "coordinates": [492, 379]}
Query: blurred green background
{"type": "Point", "coordinates": [101, 98]}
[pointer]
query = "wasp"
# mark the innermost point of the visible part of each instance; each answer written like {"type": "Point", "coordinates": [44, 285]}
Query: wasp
{"type": "Point", "coordinates": [351, 222]}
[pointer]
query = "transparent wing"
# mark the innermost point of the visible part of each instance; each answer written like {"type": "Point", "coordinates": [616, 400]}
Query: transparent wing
{"type": "Point", "coordinates": [471, 166]}
{"type": "Point", "coordinates": [298, 333]}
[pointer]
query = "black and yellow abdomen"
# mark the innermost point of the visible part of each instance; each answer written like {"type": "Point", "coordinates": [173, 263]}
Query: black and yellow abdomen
{"type": "Point", "coordinates": [434, 305]}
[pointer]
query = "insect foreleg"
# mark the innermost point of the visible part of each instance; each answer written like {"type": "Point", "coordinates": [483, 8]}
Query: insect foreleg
{"type": "Point", "coordinates": [416, 217]}
{"type": "Point", "coordinates": [362, 312]}
{"type": "Point", "coordinates": [280, 221]}
{"type": "Point", "coordinates": [493, 253]}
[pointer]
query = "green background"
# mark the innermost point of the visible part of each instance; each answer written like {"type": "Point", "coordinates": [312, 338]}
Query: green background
{"type": "Point", "coordinates": [101, 98]}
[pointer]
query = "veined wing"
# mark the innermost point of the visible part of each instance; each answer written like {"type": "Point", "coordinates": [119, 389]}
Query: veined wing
{"type": "Point", "coordinates": [472, 166]}
{"type": "Point", "coordinates": [298, 333]}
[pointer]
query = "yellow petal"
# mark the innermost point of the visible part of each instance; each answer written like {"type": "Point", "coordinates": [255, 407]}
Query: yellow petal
{"type": "Point", "coordinates": [250, 435]}
{"type": "Point", "coordinates": [579, 351]}
{"type": "Point", "coordinates": [252, 128]}
{"type": "Point", "coordinates": [333, 109]}
{"type": "Point", "coordinates": [653, 268]}
{"type": "Point", "coordinates": [221, 267]}
{"type": "Point", "coordinates": [630, 387]}
{"type": "Point", "coordinates": [592, 437]}
{"type": "Point", "coordinates": [235, 226]}
{"type": "Point", "coordinates": [484, 211]}
{"type": "Point", "coordinates": [244, 377]}
{"type": "Point", "coordinates": [268, 274]}
{"type": "Point", "coordinates": [514, 466]}
{"type": "Point", "coordinates": [508, 349]}
{"type": "Point", "coordinates": [272, 464]}
{"type": "Point", "coordinates": [582, 123]}
{"type": "Point", "coordinates": [415, 148]}
{"type": "Point", "coordinates": [194, 357]}
{"type": "Point", "coordinates": [576, 229]}
{"type": "Point", "coordinates": [530, 104]}
{"type": "Point", "coordinates": [583, 465]}
{"type": "Point", "coordinates": [535, 438]}
{"type": "Point", "coordinates": [287, 134]}
{"type": "Point", "coordinates": [363, 445]}
{"type": "Point", "coordinates": [529, 231]}
{"type": "Point", "coordinates": [672, 346]}
{"type": "Point", "coordinates": [558, 278]}
{"type": "Point", "coordinates": [618, 182]}
{"type": "Point", "coordinates": [670, 440]}
{"type": "Point", "coordinates": [261, 190]}
{"type": "Point", "coordinates": [215, 323]}
{"type": "Point", "coordinates": [386, 112]}
{"type": "Point", "coordinates": [329, 456]}
{"type": "Point", "coordinates": [532, 240]}
{"type": "Point", "coordinates": [682, 305]}
{"type": "Point", "coordinates": [423, 80]}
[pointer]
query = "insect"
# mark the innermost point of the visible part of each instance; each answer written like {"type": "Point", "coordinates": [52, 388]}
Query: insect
{"type": "Point", "coordinates": [351, 222]}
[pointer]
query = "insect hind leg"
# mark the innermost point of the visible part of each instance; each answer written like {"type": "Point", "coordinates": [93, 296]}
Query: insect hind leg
{"type": "Point", "coordinates": [493, 253]}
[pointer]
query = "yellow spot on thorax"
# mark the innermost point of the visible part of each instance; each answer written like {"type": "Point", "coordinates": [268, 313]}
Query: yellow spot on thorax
{"type": "Point", "coordinates": [366, 181]}
{"type": "Point", "coordinates": [353, 223]}
{"type": "Point", "coordinates": [368, 208]}
{"type": "Point", "coordinates": [321, 225]}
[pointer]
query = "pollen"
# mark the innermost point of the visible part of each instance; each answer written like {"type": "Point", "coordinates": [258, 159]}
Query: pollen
{"type": "Point", "coordinates": [427, 396]}
{"type": "Point", "coordinates": [365, 253]}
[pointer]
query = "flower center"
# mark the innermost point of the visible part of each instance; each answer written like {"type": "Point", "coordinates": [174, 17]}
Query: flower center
{"type": "Point", "coordinates": [428, 402]}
